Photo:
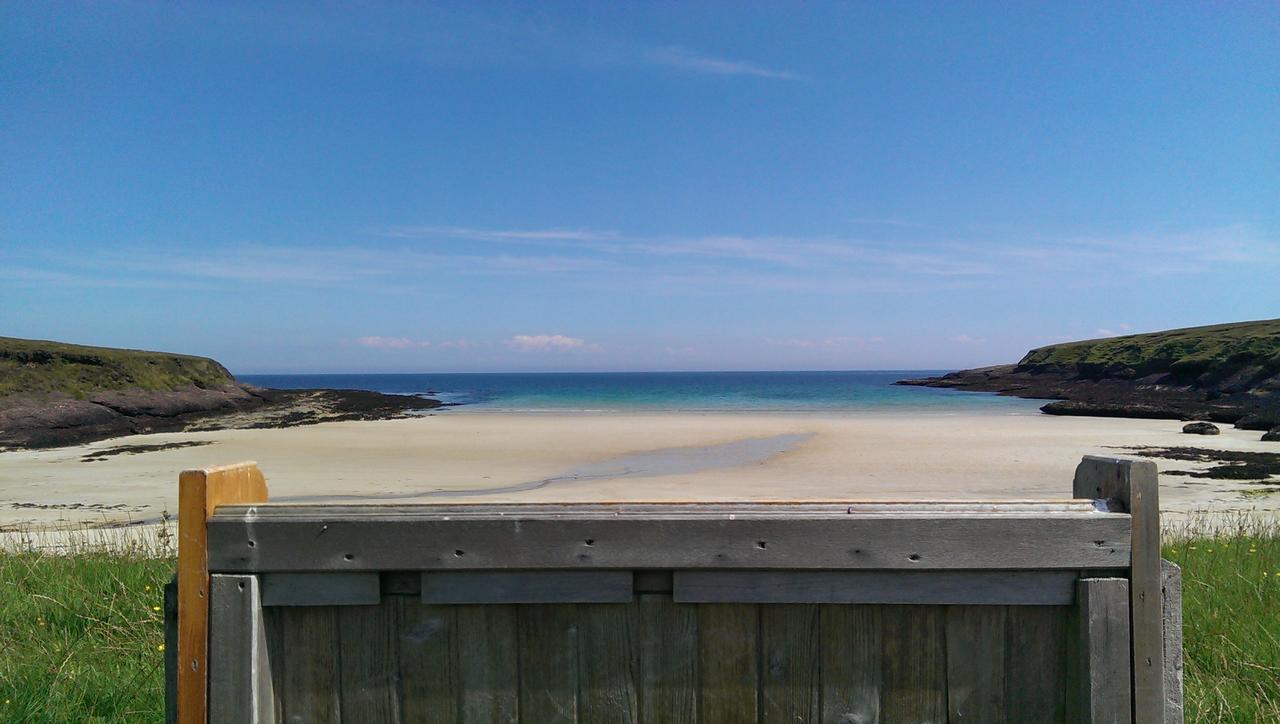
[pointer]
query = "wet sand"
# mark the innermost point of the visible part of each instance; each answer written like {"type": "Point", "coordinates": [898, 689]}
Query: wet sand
{"type": "Point", "coordinates": [472, 456]}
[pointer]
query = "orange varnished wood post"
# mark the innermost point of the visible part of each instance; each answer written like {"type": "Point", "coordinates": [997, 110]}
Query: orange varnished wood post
{"type": "Point", "coordinates": [199, 493]}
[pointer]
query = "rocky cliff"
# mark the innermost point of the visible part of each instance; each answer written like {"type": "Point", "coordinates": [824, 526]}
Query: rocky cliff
{"type": "Point", "coordinates": [53, 393]}
{"type": "Point", "coordinates": [1225, 373]}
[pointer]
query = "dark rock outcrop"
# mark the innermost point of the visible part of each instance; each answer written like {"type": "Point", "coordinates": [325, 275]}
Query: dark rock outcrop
{"type": "Point", "coordinates": [38, 421]}
{"type": "Point", "coordinates": [1226, 373]}
{"type": "Point", "coordinates": [1200, 428]}
{"type": "Point", "coordinates": [1272, 435]}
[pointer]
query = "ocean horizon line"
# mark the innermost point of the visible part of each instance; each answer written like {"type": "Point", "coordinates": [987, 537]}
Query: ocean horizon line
{"type": "Point", "coordinates": [887, 370]}
{"type": "Point", "coordinates": [673, 391]}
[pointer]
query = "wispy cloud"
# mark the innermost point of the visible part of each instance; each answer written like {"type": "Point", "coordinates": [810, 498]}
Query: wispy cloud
{"type": "Point", "coordinates": [549, 342]}
{"type": "Point", "coordinates": [513, 235]}
{"type": "Point", "coordinates": [701, 265]}
{"type": "Point", "coordinates": [389, 342]}
{"type": "Point", "coordinates": [693, 61]}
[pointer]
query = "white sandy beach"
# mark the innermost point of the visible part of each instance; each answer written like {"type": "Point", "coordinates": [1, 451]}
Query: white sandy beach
{"type": "Point", "coordinates": [620, 457]}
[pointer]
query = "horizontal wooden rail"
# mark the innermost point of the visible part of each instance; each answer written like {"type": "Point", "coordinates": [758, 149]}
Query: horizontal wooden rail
{"type": "Point", "coordinates": [256, 539]}
{"type": "Point", "coordinates": [1014, 588]}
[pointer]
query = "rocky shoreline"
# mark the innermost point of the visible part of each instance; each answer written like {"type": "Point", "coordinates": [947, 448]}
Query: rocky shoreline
{"type": "Point", "coordinates": [1074, 393]}
{"type": "Point", "coordinates": [1225, 373]}
{"type": "Point", "coordinates": [53, 420]}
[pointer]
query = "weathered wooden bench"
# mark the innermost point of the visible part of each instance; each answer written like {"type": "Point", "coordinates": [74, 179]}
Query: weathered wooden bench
{"type": "Point", "coordinates": [1018, 611]}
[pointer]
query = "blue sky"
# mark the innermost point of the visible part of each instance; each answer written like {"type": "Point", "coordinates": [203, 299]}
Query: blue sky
{"type": "Point", "coordinates": [474, 187]}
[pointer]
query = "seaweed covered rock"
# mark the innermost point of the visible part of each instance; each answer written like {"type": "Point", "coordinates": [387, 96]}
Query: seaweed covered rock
{"type": "Point", "coordinates": [1200, 428]}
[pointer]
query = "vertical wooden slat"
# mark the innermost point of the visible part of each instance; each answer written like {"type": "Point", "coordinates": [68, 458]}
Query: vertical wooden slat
{"type": "Point", "coordinates": [428, 644]}
{"type": "Point", "coordinates": [851, 663]}
{"type": "Point", "coordinates": [1099, 665]}
{"type": "Point", "coordinates": [789, 679]}
{"type": "Point", "coordinates": [200, 492]}
{"type": "Point", "coordinates": [915, 665]}
{"type": "Point", "coordinates": [310, 680]}
{"type": "Point", "coordinates": [273, 618]}
{"type": "Point", "coordinates": [975, 663]}
{"type": "Point", "coordinates": [1135, 483]}
{"type": "Point", "coordinates": [728, 662]}
{"type": "Point", "coordinates": [239, 671]}
{"type": "Point", "coordinates": [668, 652]}
{"type": "Point", "coordinates": [607, 663]}
{"type": "Point", "coordinates": [1171, 594]}
{"type": "Point", "coordinates": [369, 663]}
{"type": "Point", "coordinates": [488, 668]}
{"type": "Point", "coordinates": [1035, 663]}
{"type": "Point", "coordinates": [548, 663]}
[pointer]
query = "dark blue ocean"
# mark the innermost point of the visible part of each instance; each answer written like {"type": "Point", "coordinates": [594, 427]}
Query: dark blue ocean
{"type": "Point", "coordinates": [668, 391]}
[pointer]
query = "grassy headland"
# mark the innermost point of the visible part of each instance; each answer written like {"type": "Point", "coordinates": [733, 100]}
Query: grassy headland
{"type": "Point", "coordinates": [1223, 373]}
{"type": "Point", "coordinates": [53, 393]}
{"type": "Point", "coordinates": [1195, 355]}
{"type": "Point", "coordinates": [37, 367]}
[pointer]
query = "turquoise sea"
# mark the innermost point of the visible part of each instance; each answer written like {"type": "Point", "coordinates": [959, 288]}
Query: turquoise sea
{"type": "Point", "coordinates": [861, 391]}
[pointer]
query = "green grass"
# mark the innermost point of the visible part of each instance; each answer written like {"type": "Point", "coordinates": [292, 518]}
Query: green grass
{"type": "Point", "coordinates": [1185, 352]}
{"type": "Point", "coordinates": [82, 638]}
{"type": "Point", "coordinates": [39, 367]}
{"type": "Point", "coordinates": [1231, 624]}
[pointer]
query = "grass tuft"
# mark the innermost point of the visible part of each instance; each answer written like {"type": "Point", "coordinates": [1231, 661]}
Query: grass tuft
{"type": "Point", "coordinates": [1230, 619]}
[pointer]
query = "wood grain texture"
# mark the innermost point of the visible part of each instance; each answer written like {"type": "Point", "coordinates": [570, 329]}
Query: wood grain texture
{"type": "Point", "coordinates": [728, 662]}
{"type": "Point", "coordinates": [309, 682]}
{"type": "Point", "coordinates": [852, 663]}
{"type": "Point", "coordinates": [914, 684]}
{"type": "Point", "coordinates": [1135, 484]}
{"type": "Point", "coordinates": [526, 587]}
{"type": "Point", "coordinates": [1039, 588]}
{"type": "Point", "coordinates": [488, 673]}
{"type": "Point", "coordinates": [200, 493]}
{"type": "Point", "coordinates": [975, 663]}
{"type": "Point", "coordinates": [676, 508]}
{"type": "Point", "coordinates": [1036, 663]}
{"type": "Point", "coordinates": [320, 589]}
{"type": "Point", "coordinates": [790, 684]}
{"type": "Point", "coordinates": [273, 618]}
{"type": "Point", "coordinates": [1171, 595]}
{"type": "Point", "coordinates": [667, 643]}
{"type": "Point", "coordinates": [548, 663]}
{"type": "Point", "coordinates": [428, 648]}
{"type": "Point", "coordinates": [1099, 667]}
{"type": "Point", "coordinates": [284, 539]}
{"type": "Point", "coordinates": [239, 670]}
{"type": "Point", "coordinates": [607, 663]}
{"type": "Point", "coordinates": [368, 662]}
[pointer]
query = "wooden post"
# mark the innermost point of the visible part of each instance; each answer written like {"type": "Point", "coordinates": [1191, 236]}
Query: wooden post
{"type": "Point", "coordinates": [200, 492]}
{"type": "Point", "coordinates": [1135, 485]}
{"type": "Point", "coordinates": [1172, 597]}
{"type": "Point", "coordinates": [1099, 688]}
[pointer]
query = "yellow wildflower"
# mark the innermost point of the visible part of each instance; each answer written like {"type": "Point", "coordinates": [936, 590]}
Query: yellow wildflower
{"type": "Point", "coordinates": [146, 588]}
{"type": "Point", "coordinates": [155, 608]}
{"type": "Point", "coordinates": [160, 647]}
